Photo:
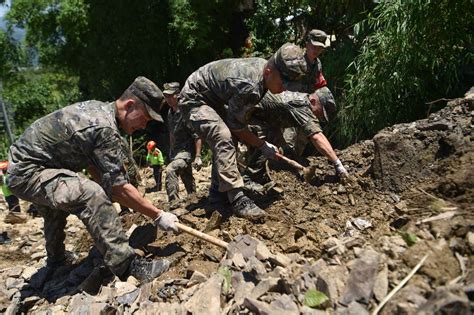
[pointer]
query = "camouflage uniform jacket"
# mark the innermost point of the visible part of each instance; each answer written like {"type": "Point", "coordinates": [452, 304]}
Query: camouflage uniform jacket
{"type": "Point", "coordinates": [73, 138]}
{"type": "Point", "coordinates": [237, 83]}
{"type": "Point", "coordinates": [314, 78]}
{"type": "Point", "coordinates": [287, 109]}
{"type": "Point", "coordinates": [182, 139]}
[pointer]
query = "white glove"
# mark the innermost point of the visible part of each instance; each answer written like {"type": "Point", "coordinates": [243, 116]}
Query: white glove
{"type": "Point", "coordinates": [340, 169]}
{"type": "Point", "coordinates": [269, 150]}
{"type": "Point", "coordinates": [197, 163]}
{"type": "Point", "coordinates": [167, 221]}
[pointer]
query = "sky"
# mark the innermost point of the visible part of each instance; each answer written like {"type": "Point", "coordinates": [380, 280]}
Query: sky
{"type": "Point", "coordinates": [18, 33]}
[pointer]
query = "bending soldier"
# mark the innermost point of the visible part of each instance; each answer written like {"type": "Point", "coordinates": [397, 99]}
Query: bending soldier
{"type": "Point", "coordinates": [185, 146]}
{"type": "Point", "coordinates": [214, 101]}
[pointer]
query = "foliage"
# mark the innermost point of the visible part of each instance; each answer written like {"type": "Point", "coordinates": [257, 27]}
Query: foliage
{"type": "Point", "coordinates": [314, 298]}
{"type": "Point", "coordinates": [34, 94]}
{"type": "Point", "coordinates": [409, 238]}
{"type": "Point", "coordinates": [10, 54]}
{"type": "Point", "coordinates": [416, 52]}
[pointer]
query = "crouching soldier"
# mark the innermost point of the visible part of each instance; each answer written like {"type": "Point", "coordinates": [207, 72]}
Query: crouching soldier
{"type": "Point", "coordinates": [43, 166]}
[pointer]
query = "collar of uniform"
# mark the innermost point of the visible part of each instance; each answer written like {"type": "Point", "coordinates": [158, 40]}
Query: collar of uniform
{"type": "Point", "coordinates": [114, 109]}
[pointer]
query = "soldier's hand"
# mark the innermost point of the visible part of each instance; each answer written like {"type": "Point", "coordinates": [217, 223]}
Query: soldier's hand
{"type": "Point", "coordinates": [269, 150]}
{"type": "Point", "coordinates": [167, 221]}
{"type": "Point", "coordinates": [197, 163]}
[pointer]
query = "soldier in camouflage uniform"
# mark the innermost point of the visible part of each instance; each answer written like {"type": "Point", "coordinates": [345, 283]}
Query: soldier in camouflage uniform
{"type": "Point", "coordinates": [214, 101]}
{"type": "Point", "coordinates": [43, 166]}
{"type": "Point", "coordinates": [185, 149]}
{"type": "Point", "coordinates": [291, 109]}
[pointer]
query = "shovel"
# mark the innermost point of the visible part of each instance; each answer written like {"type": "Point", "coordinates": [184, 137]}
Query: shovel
{"type": "Point", "coordinates": [201, 235]}
{"type": "Point", "coordinates": [308, 172]}
{"type": "Point", "coordinates": [244, 246]}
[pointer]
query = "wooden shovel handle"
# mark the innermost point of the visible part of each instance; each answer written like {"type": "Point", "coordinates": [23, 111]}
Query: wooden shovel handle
{"type": "Point", "coordinates": [201, 235]}
{"type": "Point", "coordinates": [290, 161]}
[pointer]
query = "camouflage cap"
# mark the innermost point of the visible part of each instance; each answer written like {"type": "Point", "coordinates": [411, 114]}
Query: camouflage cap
{"type": "Point", "coordinates": [327, 101]}
{"type": "Point", "coordinates": [171, 88]}
{"type": "Point", "coordinates": [290, 62]}
{"type": "Point", "coordinates": [150, 94]}
{"type": "Point", "coordinates": [318, 38]}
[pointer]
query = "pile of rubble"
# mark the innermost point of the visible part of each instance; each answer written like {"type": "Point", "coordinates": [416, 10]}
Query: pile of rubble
{"type": "Point", "coordinates": [405, 225]}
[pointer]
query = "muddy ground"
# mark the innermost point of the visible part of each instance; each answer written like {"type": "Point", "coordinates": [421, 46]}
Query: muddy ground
{"type": "Point", "coordinates": [408, 174]}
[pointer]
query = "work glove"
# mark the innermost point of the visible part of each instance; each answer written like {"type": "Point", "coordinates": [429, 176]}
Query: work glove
{"type": "Point", "coordinates": [197, 163]}
{"type": "Point", "coordinates": [167, 222]}
{"type": "Point", "coordinates": [342, 172]}
{"type": "Point", "coordinates": [269, 150]}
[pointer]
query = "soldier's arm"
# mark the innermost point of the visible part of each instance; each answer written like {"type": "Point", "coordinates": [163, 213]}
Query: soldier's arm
{"type": "Point", "coordinates": [247, 137]}
{"type": "Point", "coordinates": [322, 144]}
{"type": "Point", "coordinates": [198, 146]}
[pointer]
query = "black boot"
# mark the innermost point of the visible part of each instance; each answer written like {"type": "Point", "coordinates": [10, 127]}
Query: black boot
{"type": "Point", "coordinates": [244, 207]}
{"type": "Point", "coordinates": [145, 270]}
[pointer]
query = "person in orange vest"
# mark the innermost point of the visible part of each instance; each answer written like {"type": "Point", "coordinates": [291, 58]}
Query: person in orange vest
{"type": "Point", "coordinates": [156, 161]}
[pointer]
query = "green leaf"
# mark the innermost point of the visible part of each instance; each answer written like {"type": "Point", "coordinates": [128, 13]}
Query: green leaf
{"type": "Point", "coordinates": [227, 274]}
{"type": "Point", "coordinates": [314, 298]}
{"type": "Point", "coordinates": [409, 238]}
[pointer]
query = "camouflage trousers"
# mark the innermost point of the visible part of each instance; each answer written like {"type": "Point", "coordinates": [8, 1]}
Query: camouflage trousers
{"type": "Point", "coordinates": [59, 192]}
{"type": "Point", "coordinates": [296, 140]}
{"type": "Point", "coordinates": [205, 121]}
{"type": "Point", "coordinates": [179, 168]}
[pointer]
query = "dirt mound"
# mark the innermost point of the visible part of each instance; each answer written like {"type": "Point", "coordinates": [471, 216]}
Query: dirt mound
{"type": "Point", "coordinates": [343, 247]}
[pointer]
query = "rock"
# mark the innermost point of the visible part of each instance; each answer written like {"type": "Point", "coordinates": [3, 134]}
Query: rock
{"type": "Point", "coordinates": [80, 304]}
{"type": "Point", "coordinates": [162, 308]}
{"type": "Point", "coordinates": [29, 302]}
{"type": "Point", "coordinates": [242, 291]}
{"type": "Point", "coordinates": [334, 246]}
{"type": "Point", "coordinates": [207, 300]}
{"type": "Point", "coordinates": [381, 284]}
{"type": "Point", "coordinates": [361, 278]}
{"type": "Point", "coordinates": [238, 260]}
{"type": "Point", "coordinates": [124, 288]}
{"type": "Point", "coordinates": [196, 278]}
{"type": "Point", "coordinates": [264, 286]}
{"type": "Point", "coordinates": [470, 240]}
{"type": "Point", "coordinates": [106, 295]}
{"type": "Point", "coordinates": [38, 255]}
{"type": "Point", "coordinates": [214, 222]}
{"type": "Point", "coordinates": [446, 300]}
{"type": "Point", "coordinates": [262, 252]}
{"type": "Point", "coordinates": [331, 281]}
{"type": "Point", "coordinates": [128, 298]}
{"type": "Point", "coordinates": [305, 310]}
{"type": "Point", "coordinates": [441, 264]}
{"type": "Point", "coordinates": [280, 260]}
{"type": "Point", "coordinates": [14, 283]}
{"type": "Point", "coordinates": [102, 309]}
{"type": "Point", "coordinates": [14, 272]}
{"type": "Point", "coordinates": [285, 303]}
{"type": "Point", "coordinates": [28, 272]}
{"type": "Point", "coordinates": [353, 308]}
{"type": "Point", "coordinates": [406, 301]}
{"type": "Point", "coordinates": [261, 308]}
{"type": "Point", "coordinates": [255, 266]}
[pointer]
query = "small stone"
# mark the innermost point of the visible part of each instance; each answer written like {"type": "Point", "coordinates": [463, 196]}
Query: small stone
{"type": "Point", "coordinates": [256, 266]}
{"type": "Point", "coordinates": [129, 298]}
{"type": "Point", "coordinates": [470, 240]}
{"type": "Point", "coordinates": [38, 255]}
{"type": "Point", "coordinates": [280, 260]}
{"type": "Point", "coordinates": [361, 278]}
{"type": "Point", "coordinates": [28, 272]}
{"type": "Point", "coordinates": [196, 278]}
{"type": "Point", "coordinates": [207, 300]}
{"type": "Point", "coordinates": [264, 286]}
{"type": "Point", "coordinates": [14, 272]}
{"type": "Point", "coordinates": [262, 252]}
{"type": "Point", "coordinates": [381, 284]}
{"type": "Point", "coordinates": [124, 288]}
{"type": "Point", "coordinates": [238, 260]}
